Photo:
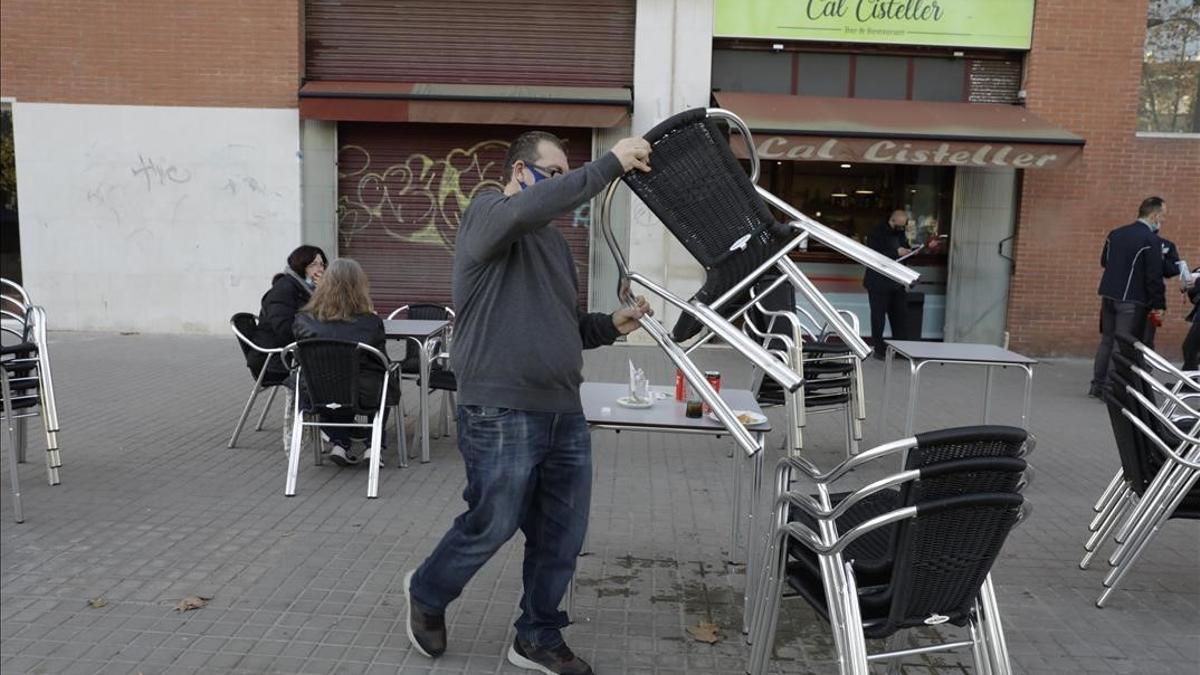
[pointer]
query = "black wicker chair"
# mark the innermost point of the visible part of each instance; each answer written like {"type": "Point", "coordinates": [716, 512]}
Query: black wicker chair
{"type": "Point", "coordinates": [1157, 433]}
{"type": "Point", "coordinates": [700, 192]}
{"type": "Point", "coordinates": [26, 386]}
{"type": "Point", "coordinates": [925, 552]}
{"type": "Point", "coordinates": [266, 365]}
{"type": "Point", "coordinates": [328, 375]}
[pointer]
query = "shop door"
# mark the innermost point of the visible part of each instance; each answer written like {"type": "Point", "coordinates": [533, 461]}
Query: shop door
{"type": "Point", "coordinates": [402, 189]}
{"type": "Point", "coordinates": [980, 255]}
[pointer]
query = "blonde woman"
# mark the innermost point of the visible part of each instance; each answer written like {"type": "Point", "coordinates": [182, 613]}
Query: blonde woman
{"type": "Point", "coordinates": [341, 308]}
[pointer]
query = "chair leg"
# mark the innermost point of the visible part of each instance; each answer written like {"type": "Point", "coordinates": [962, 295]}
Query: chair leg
{"type": "Point", "coordinates": [13, 475]}
{"type": "Point", "coordinates": [314, 438]}
{"type": "Point", "coordinates": [293, 468]}
{"type": "Point", "coordinates": [266, 408]}
{"type": "Point", "coordinates": [401, 441]}
{"type": "Point", "coordinates": [372, 456]}
{"type": "Point", "coordinates": [997, 645]}
{"type": "Point", "coordinates": [22, 439]}
{"type": "Point", "coordinates": [237, 429]}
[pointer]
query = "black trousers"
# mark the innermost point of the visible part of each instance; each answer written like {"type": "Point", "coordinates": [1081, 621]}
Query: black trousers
{"type": "Point", "coordinates": [1191, 345]}
{"type": "Point", "coordinates": [1115, 317]}
{"type": "Point", "coordinates": [892, 304]}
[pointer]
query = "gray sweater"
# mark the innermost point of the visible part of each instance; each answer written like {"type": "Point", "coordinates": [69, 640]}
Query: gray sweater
{"type": "Point", "coordinates": [519, 334]}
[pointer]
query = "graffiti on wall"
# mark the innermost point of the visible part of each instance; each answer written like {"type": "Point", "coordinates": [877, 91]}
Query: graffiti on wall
{"type": "Point", "coordinates": [421, 199]}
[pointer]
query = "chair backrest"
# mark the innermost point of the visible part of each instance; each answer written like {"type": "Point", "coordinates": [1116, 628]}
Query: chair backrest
{"type": "Point", "coordinates": [246, 325]}
{"type": "Point", "coordinates": [943, 555]}
{"type": "Point", "coordinates": [983, 440]}
{"type": "Point", "coordinates": [329, 372]}
{"type": "Point", "coordinates": [1130, 442]}
{"type": "Point", "coordinates": [14, 309]}
{"type": "Point", "coordinates": [705, 199]}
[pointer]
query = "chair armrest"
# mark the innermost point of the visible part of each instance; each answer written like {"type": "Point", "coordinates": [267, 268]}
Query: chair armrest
{"type": "Point", "coordinates": [394, 312]}
{"type": "Point", "coordinates": [250, 343]}
{"type": "Point", "coordinates": [814, 474]}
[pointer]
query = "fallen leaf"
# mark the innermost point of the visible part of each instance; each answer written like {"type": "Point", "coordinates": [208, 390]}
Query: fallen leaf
{"type": "Point", "coordinates": [191, 602]}
{"type": "Point", "coordinates": [97, 602]}
{"type": "Point", "coordinates": [704, 632]}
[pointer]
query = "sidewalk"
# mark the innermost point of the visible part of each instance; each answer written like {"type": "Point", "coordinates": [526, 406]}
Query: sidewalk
{"type": "Point", "coordinates": [153, 507]}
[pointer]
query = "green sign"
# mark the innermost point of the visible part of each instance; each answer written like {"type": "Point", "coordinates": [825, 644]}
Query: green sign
{"type": "Point", "coordinates": [997, 24]}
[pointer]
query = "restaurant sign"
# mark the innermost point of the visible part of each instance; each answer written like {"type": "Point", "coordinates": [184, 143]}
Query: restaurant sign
{"type": "Point", "coordinates": [986, 24]}
{"type": "Point", "coordinates": [920, 152]}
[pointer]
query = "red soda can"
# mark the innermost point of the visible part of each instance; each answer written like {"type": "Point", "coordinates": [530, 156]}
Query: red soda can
{"type": "Point", "coordinates": [680, 385]}
{"type": "Point", "coordinates": [714, 378]}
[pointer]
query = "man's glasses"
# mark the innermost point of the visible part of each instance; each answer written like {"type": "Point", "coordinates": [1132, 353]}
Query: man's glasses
{"type": "Point", "coordinates": [540, 173]}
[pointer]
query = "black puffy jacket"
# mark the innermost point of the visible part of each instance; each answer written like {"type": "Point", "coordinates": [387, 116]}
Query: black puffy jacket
{"type": "Point", "coordinates": [279, 306]}
{"type": "Point", "coordinates": [367, 328]}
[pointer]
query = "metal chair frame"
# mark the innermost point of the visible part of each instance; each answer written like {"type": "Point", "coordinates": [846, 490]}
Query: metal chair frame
{"type": "Point", "coordinates": [1132, 519]}
{"type": "Point", "coordinates": [27, 323]}
{"type": "Point", "coordinates": [258, 388]}
{"type": "Point", "coordinates": [375, 425]}
{"type": "Point", "coordinates": [796, 403]}
{"type": "Point", "coordinates": [986, 630]}
{"type": "Point", "coordinates": [440, 353]}
{"type": "Point", "coordinates": [716, 325]}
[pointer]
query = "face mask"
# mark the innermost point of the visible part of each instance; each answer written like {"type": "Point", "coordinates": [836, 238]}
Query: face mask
{"type": "Point", "coordinates": [538, 176]}
{"type": "Point", "coordinates": [1154, 226]}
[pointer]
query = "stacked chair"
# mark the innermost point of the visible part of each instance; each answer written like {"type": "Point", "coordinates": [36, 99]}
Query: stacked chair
{"type": "Point", "coordinates": [26, 383]}
{"type": "Point", "coordinates": [912, 549]}
{"type": "Point", "coordinates": [1153, 408]}
{"type": "Point", "coordinates": [702, 195]}
{"type": "Point", "coordinates": [833, 380]}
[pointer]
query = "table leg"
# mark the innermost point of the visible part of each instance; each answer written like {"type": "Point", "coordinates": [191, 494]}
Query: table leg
{"type": "Point", "coordinates": [1026, 410]}
{"type": "Point", "coordinates": [887, 379]}
{"type": "Point", "coordinates": [735, 529]}
{"type": "Point", "coordinates": [423, 399]}
{"type": "Point", "coordinates": [753, 545]}
{"type": "Point", "coordinates": [987, 392]}
{"type": "Point", "coordinates": [914, 369]}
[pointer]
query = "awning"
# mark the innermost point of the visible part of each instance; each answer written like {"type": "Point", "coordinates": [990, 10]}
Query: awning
{"type": "Point", "coordinates": [465, 104]}
{"type": "Point", "coordinates": [810, 128]}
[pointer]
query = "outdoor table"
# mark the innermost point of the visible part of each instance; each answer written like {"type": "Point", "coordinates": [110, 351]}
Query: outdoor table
{"type": "Point", "coordinates": [602, 411]}
{"type": "Point", "coordinates": [423, 334]}
{"type": "Point", "coordinates": [919, 354]}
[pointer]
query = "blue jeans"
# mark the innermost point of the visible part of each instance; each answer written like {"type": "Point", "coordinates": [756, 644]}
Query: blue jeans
{"type": "Point", "coordinates": [527, 470]}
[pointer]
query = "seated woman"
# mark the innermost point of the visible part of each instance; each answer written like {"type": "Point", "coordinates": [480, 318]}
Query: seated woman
{"type": "Point", "coordinates": [341, 309]}
{"type": "Point", "coordinates": [290, 289]}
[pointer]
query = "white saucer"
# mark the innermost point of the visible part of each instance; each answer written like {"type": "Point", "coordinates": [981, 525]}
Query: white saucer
{"type": "Point", "coordinates": [631, 402]}
{"type": "Point", "coordinates": [755, 418]}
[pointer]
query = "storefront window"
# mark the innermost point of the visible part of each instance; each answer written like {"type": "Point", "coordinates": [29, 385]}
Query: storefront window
{"type": "Point", "coordinates": [1171, 68]}
{"type": "Point", "coordinates": [854, 198]}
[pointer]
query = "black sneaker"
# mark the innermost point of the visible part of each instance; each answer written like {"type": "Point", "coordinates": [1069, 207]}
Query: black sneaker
{"type": "Point", "coordinates": [558, 660]}
{"type": "Point", "coordinates": [1096, 391]}
{"type": "Point", "coordinates": [426, 630]}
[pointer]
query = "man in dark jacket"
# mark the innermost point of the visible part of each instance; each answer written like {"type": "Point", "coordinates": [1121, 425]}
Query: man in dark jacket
{"type": "Point", "coordinates": [518, 357]}
{"type": "Point", "coordinates": [1170, 271]}
{"type": "Point", "coordinates": [1131, 288]}
{"type": "Point", "coordinates": [1191, 343]}
{"type": "Point", "coordinates": [885, 296]}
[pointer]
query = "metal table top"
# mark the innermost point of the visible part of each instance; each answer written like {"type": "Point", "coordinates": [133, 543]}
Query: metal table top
{"type": "Point", "coordinates": [600, 407]}
{"type": "Point", "coordinates": [957, 351]}
{"type": "Point", "coordinates": [412, 328]}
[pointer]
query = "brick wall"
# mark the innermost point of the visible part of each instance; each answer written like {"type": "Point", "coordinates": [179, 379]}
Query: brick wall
{"type": "Point", "coordinates": [137, 52]}
{"type": "Point", "coordinates": [1083, 74]}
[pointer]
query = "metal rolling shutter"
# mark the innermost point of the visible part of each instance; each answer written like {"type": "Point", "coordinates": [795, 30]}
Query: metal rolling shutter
{"type": "Point", "coordinates": [402, 189]}
{"type": "Point", "coordinates": [478, 41]}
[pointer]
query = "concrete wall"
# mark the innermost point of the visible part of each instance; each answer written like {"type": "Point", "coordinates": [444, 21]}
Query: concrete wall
{"type": "Point", "coordinates": [671, 73]}
{"type": "Point", "coordinates": [1084, 75]}
{"type": "Point", "coordinates": [318, 182]}
{"type": "Point", "coordinates": [162, 219]}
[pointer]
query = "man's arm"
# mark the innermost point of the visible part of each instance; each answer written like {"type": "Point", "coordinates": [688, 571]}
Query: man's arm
{"type": "Point", "coordinates": [1156, 290]}
{"type": "Point", "coordinates": [504, 221]}
{"type": "Point", "coordinates": [1170, 259]}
